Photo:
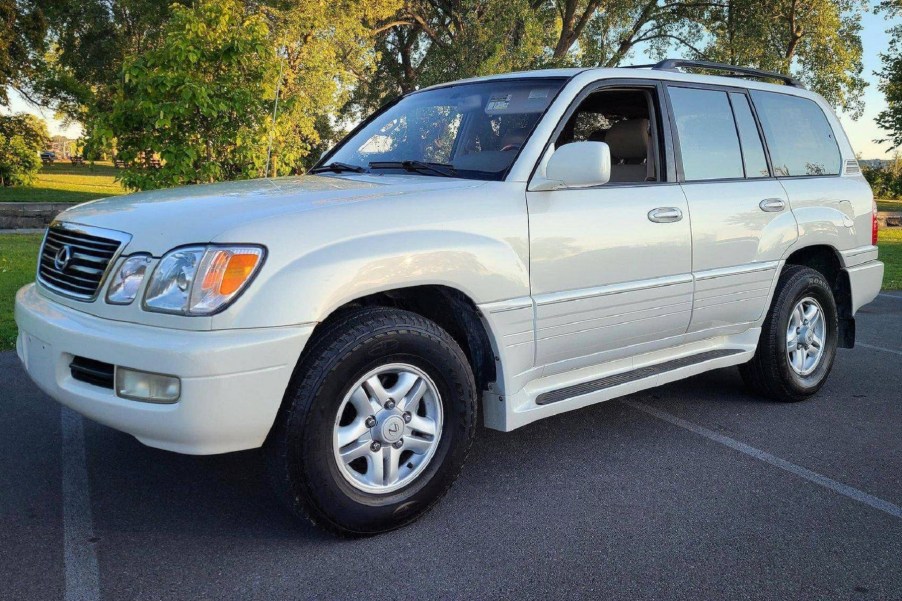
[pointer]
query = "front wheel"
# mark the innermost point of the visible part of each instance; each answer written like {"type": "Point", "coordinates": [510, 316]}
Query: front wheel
{"type": "Point", "coordinates": [798, 339]}
{"type": "Point", "coordinates": [376, 424]}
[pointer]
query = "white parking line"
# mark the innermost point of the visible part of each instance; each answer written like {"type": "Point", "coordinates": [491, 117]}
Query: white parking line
{"type": "Point", "coordinates": [879, 348]}
{"type": "Point", "coordinates": [838, 487]}
{"type": "Point", "coordinates": [82, 576]}
{"type": "Point", "coordinates": [895, 296]}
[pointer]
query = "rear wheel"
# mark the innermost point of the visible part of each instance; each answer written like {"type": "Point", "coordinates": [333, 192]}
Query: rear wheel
{"type": "Point", "coordinates": [376, 424]}
{"type": "Point", "coordinates": [798, 339]}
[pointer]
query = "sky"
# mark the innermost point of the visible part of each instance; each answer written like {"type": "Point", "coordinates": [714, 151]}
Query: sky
{"type": "Point", "coordinates": [862, 132]}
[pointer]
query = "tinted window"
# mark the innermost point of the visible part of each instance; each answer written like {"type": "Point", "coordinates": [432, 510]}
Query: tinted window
{"type": "Point", "coordinates": [709, 144]}
{"type": "Point", "coordinates": [752, 149]}
{"type": "Point", "coordinates": [798, 135]}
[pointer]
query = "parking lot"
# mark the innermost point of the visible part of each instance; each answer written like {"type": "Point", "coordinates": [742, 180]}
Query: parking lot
{"type": "Point", "coordinates": [695, 490]}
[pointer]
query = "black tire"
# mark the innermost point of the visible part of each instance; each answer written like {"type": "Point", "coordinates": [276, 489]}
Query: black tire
{"type": "Point", "coordinates": [769, 372]}
{"type": "Point", "coordinates": [299, 450]}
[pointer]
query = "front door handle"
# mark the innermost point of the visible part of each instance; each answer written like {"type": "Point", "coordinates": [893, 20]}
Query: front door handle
{"type": "Point", "coordinates": [665, 215]}
{"type": "Point", "coordinates": [772, 205]}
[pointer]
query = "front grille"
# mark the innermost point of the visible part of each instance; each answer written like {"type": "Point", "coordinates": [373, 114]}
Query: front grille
{"type": "Point", "coordinates": [93, 372]}
{"type": "Point", "coordinates": [75, 259]}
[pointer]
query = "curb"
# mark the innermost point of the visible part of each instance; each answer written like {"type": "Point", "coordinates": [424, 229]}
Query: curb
{"type": "Point", "coordinates": [23, 231]}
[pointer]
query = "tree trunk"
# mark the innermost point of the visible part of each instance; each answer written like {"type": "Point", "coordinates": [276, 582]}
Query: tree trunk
{"type": "Point", "coordinates": [571, 27]}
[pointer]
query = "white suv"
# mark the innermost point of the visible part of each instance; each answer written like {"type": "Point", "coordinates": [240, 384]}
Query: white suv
{"type": "Point", "coordinates": [527, 244]}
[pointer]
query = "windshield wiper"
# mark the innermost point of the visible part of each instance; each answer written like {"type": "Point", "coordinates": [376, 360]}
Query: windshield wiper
{"type": "Point", "coordinates": [338, 167]}
{"type": "Point", "coordinates": [443, 169]}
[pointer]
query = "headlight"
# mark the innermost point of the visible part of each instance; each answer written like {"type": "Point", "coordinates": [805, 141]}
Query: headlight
{"type": "Point", "coordinates": [201, 280]}
{"type": "Point", "coordinates": [125, 283]}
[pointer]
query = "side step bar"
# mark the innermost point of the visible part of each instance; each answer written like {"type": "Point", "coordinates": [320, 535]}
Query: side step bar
{"type": "Point", "coordinates": [562, 394]}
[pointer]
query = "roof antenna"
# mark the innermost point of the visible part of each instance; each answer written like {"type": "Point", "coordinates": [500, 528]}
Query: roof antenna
{"type": "Point", "coordinates": [275, 110]}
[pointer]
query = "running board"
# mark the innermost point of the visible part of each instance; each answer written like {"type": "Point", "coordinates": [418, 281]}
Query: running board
{"type": "Point", "coordinates": [562, 394]}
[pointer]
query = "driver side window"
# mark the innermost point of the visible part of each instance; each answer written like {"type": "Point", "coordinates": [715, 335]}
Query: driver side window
{"type": "Point", "coordinates": [624, 120]}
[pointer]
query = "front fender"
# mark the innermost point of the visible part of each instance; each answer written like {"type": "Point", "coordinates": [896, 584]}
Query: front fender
{"type": "Point", "coordinates": [310, 287]}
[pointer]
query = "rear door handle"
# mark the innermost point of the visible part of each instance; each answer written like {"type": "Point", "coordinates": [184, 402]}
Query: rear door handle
{"type": "Point", "coordinates": [665, 215]}
{"type": "Point", "coordinates": [772, 205]}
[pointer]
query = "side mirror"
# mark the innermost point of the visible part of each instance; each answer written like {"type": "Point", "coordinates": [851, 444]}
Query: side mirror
{"type": "Point", "coordinates": [577, 165]}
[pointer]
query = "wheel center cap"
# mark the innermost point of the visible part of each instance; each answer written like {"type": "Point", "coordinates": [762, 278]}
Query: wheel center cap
{"type": "Point", "coordinates": [392, 429]}
{"type": "Point", "coordinates": [806, 335]}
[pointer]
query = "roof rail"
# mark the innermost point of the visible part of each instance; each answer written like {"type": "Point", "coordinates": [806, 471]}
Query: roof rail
{"type": "Point", "coordinates": [673, 64]}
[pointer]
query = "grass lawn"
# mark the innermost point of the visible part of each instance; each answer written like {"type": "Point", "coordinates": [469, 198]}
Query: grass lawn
{"type": "Point", "coordinates": [890, 244]}
{"type": "Point", "coordinates": [889, 205]}
{"type": "Point", "coordinates": [18, 261]}
{"type": "Point", "coordinates": [64, 182]}
{"type": "Point", "coordinates": [18, 258]}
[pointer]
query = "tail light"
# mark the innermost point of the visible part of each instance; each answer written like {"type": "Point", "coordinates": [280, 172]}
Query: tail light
{"type": "Point", "coordinates": [874, 227]}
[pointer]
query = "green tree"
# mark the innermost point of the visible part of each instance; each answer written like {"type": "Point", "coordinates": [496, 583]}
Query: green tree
{"type": "Point", "coordinates": [818, 41]}
{"type": "Point", "coordinates": [326, 50]}
{"type": "Point", "coordinates": [22, 31]}
{"type": "Point", "coordinates": [87, 43]}
{"type": "Point", "coordinates": [890, 119]}
{"type": "Point", "coordinates": [433, 40]}
{"type": "Point", "coordinates": [22, 138]}
{"type": "Point", "coordinates": [201, 101]}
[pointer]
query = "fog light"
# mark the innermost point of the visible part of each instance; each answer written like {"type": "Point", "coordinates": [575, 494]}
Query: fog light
{"type": "Point", "coordinates": [144, 386]}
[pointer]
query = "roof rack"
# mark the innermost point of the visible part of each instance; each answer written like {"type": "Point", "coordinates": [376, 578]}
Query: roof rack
{"type": "Point", "coordinates": [674, 64]}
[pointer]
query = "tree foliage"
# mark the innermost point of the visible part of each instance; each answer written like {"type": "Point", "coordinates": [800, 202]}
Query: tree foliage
{"type": "Point", "coordinates": [200, 100]}
{"type": "Point", "coordinates": [436, 40]}
{"type": "Point", "coordinates": [886, 182]}
{"type": "Point", "coordinates": [22, 32]}
{"type": "Point", "coordinates": [22, 138]}
{"type": "Point", "coordinates": [340, 60]}
{"type": "Point", "coordinates": [890, 119]}
{"type": "Point", "coordinates": [326, 49]}
{"type": "Point", "coordinates": [89, 41]}
{"type": "Point", "coordinates": [818, 41]}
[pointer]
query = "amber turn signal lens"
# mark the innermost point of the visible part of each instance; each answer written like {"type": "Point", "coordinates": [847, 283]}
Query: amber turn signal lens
{"type": "Point", "coordinates": [223, 273]}
{"type": "Point", "coordinates": [238, 269]}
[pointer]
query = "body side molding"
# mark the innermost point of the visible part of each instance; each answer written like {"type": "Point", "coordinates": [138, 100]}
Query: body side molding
{"type": "Point", "coordinates": [637, 374]}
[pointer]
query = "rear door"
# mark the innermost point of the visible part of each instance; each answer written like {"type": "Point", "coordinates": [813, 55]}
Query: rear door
{"type": "Point", "coordinates": [741, 220]}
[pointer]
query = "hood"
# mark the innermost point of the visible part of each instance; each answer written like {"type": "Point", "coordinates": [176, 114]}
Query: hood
{"type": "Point", "coordinates": [163, 219]}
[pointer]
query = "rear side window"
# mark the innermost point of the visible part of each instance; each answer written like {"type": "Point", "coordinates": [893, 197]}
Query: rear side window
{"type": "Point", "coordinates": [709, 144]}
{"type": "Point", "coordinates": [752, 148]}
{"type": "Point", "coordinates": [799, 137]}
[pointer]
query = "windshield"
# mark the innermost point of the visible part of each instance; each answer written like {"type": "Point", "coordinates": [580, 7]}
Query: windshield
{"type": "Point", "coordinates": [472, 130]}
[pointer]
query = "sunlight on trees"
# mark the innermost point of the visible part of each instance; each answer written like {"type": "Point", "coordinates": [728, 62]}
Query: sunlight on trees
{"type": "Point", "coordinates": [22, 138]}
{"type": "Point", "coordinates": [156, 79]}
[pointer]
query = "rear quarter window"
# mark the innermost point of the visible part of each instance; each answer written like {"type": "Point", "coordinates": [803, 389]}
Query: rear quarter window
{"type": "Point", "coordinates": [799, 137]}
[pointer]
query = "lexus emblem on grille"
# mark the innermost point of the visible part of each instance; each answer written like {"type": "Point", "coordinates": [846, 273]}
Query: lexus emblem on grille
{"type": "Point", "coordinates": [62, 258]}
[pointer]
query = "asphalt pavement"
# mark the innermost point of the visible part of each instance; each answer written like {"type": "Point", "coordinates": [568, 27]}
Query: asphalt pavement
{"type": "Point", "coordinates": [695, 490]}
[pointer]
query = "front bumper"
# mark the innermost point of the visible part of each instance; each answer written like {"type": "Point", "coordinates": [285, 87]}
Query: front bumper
{"type": "Point", "coordinates": [232, 381]}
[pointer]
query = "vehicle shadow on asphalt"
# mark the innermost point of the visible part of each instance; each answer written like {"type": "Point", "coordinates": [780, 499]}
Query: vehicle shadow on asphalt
{"type": "Point", "coordinates": [139, 489]}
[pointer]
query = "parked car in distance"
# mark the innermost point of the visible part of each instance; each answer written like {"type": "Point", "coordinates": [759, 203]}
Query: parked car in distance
{"type": "Point", "coordinates": [515, 246]}
{"type": "Point", "coordinates": [48, 157]}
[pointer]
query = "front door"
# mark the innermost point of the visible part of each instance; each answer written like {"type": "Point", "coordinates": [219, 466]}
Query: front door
{"type": "Point", "coordinates": [610, 266]}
